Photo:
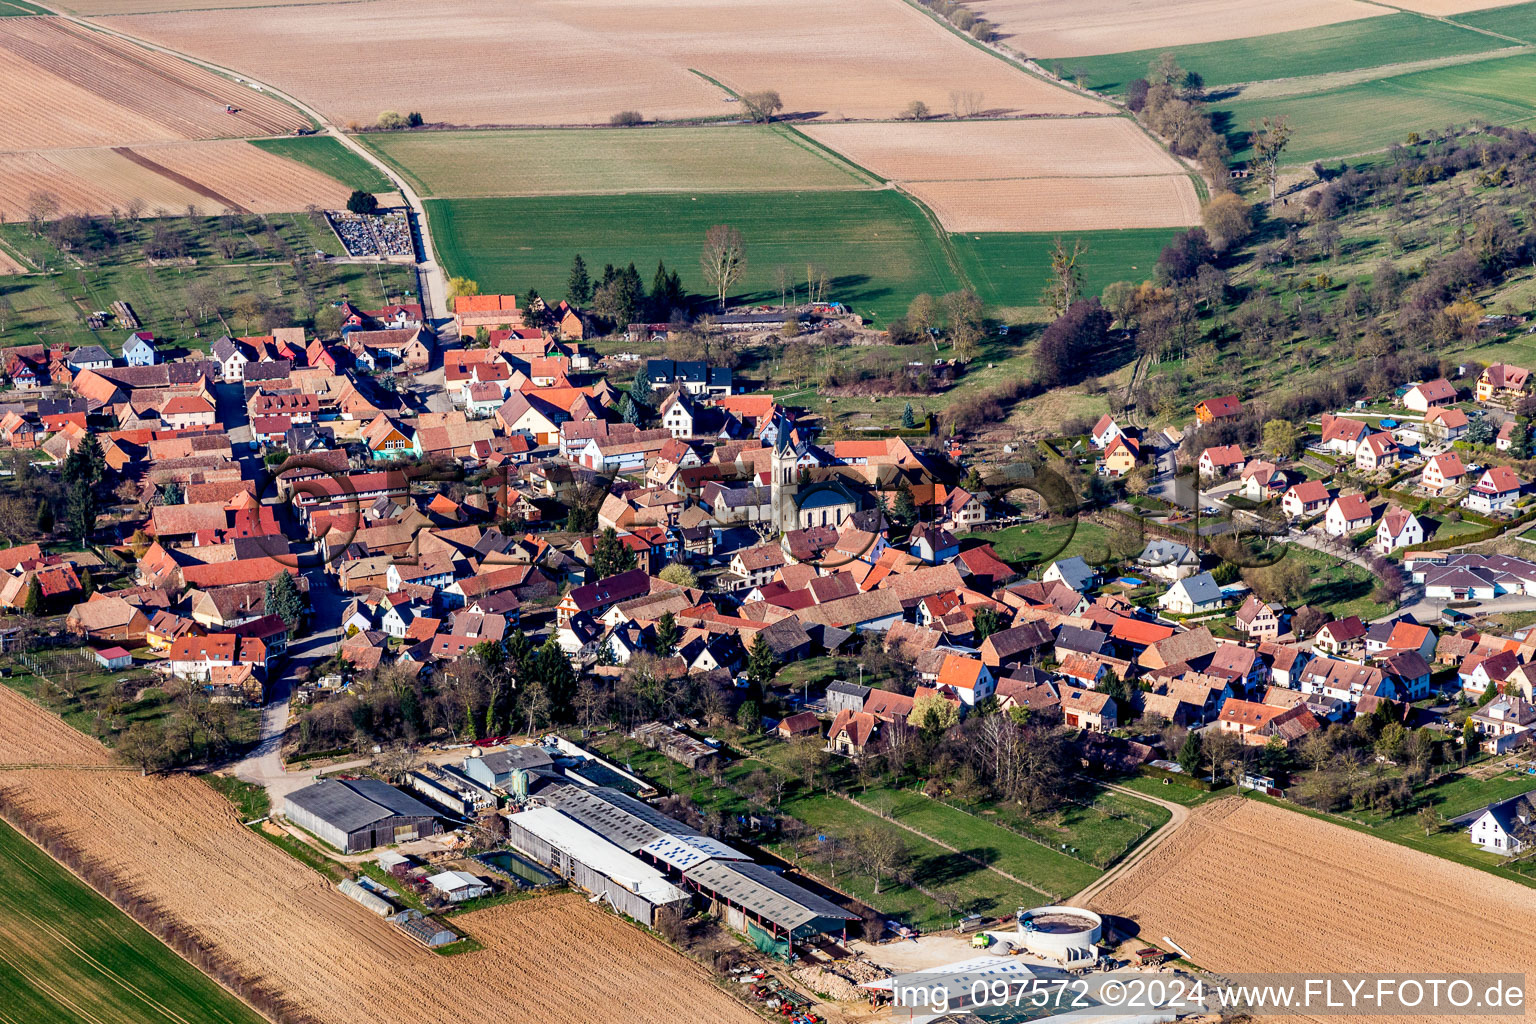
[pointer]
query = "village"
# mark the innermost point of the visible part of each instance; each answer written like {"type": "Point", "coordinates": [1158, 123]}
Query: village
{"type": "Point", "coordinates": [471, 590]}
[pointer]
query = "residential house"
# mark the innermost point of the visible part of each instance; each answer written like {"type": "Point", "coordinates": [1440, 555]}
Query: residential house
{"type": "Point", "coordinates": [1504, 827]}
{"type": "Point", "coordinates": [139, 349]}
{"type": "Point", "coordinates": [854, 733]}
{"type": "Point", "coordinates": [1261, 481]}
{"type": "Point", "coordinates": [1504, 723]}
{"type": "Point", "coordinates": [970, 678]}
{"type": "Point", "coordinates": [182, 411]}
{"type": "Point", "coordinates": [1168, 560]}
{"type": "Point", "coordinates": [1495, 491]}
{"type": "Point", "coordinates": [1429, 395]}
{"type": "Point", "coordinates": [1122, 455]}
{"type": "Point", "coordinates": [1377, 451]}
{"type": "Point", "coordinates": [1307, 498]}
{"type": "Point", "coordinates": [795, 726]}
{"type": "Point", "coordinates": [1502, 383]}
{"type": "Point", "coordinates": [1193, 594]}
{"type": "Point", "coordinates": [1341, 435]}
{"type": "Point", "coordinates": [1446, 424]}
{"type": "Point", "coordinates": [1075, 572]}
{"type": "Point", "coordinates": [1258, 620]}
{"type": "Point", "coordinates": [1104, 431]}
{"type": "Point", "coordinates": [1089, 710]}
{"type": "Point", "coordinates": [1211, 409]}
{"type": "Point", "coordinates": [1337, 636]}
{"type": "Point", "coordinates": [1398, 529]}
{"type": "Point", "coordinates": [1220, 461]}
{"type": "Point", "coordinates": [1347, 514]}
{"type": "Point", "coordinates": [1442, 473]}
{"type": "Point", "coordinates": [1256, 724]}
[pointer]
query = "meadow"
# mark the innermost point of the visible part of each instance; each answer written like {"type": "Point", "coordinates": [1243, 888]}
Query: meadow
{"type": "Point", "coordinates": [69, 955]}
{"type": "Point", "coordinates": [328, 156]}
{"type": "Point", "coordinates": [1346, 46]}
{"type": "Point", "coordinates": [1373, 116]}
{"type": "Point", "coordinates": [727, 158]}
{"type": "Point", "coordinates": [1009, 269]}
{"type": "Point", "coordinates": [876, 247]}
{"type": "Point", "coordinates": [1518, 21]}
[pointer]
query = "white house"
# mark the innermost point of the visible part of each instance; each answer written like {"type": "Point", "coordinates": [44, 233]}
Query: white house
{"type": "Point", "coordinates": [1105, 431]}
{"type": "Point", "coordinates": [1198, 593]}
{"type": "Point", "coordinates": [90, 357]}
{"type": "Point", "coordinates": [1428, 395]}
{"type": "Point", "coordinates": [1500, 827]}
{"type": "Point", "coordinates": [1442, 472]}
{"type": "Point", "coordinates": [1399, 528]}
{"type": "Point", "coordinates": [1343, 436]}
{"type": "Point", "coordinates": [1495, 491]}
{"type": "Point", "coordinates": [677, 415]}
{"type": "Point", "coordinates": [1348, 513]}
{"type": "Point", "coordinates": [1378, 450]}
{"type": "Point", "coordinates": [1504, 723]}
{"type": "Point", "coordinates": [1305, 499]}
{"type": "Point", "coordinates": [230, 356]}
{"type": "Point", "coordinates": [1168, 560]}
{"type": "Point", "coordinates": [1221, 460]}
{"type": "Point", "coordinates": [1074, 572]}
{"type": "Point", "coordinates": [1446, 424]}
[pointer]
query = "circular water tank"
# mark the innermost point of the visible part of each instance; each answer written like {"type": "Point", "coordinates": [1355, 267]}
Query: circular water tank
{"type": "Point", "coordinates": [1063, 934]}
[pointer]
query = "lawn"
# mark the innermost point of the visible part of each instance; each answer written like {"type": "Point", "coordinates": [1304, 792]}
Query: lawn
{"type": "Point", "coordinates": [877, 248]}
{"type": "Point", "coordinates": [599, 161]}
{"type": "Point", "coordinates": [1375, 115]}
{"type": "Point", "coordinates": [1518, 21]}
{"type": "Point", "coordinates": [1047, 541]}
{"type": "Point", "coordinates": [327, 155]}
{"type": "Point", "coordinates": [1010, 269]}
{"type": "Point", "coordinates": [1347, 46]}
{"type": "Point", "coordinates": [52, 307]}
{"type": "Point", "coordinates": [71, 956]}
{"type": "Point", "coordinates": [1341, 590]}
{"type": "Point", "coordinates": [1173, 792]}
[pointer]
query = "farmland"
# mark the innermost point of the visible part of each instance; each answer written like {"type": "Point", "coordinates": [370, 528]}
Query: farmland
{"type": "Point", "coordinates": [877, 248]}
{"type": "Point", "coordinates": [1009, 269]}
{"type": "Point", "coordinates": [328, 156]}
{"type": "Point", "coordinates": [71, 956]}
{"type": "Point", "coordinates": [1363, 896]}
{"type": "Point", "coordinates": [1347, 46]}
{"type": "Point", "coordinates": [1518, 21]}
{"type": "Point", "coordinates": [1073, 28]}
{"type": "Point", "coordinates": [605, 161]}
{"type": "Point", "coordinates": [176, 845]}
{"type": "Point", "coordinates": [581, 64]}
{"type": "Point", "coordinates": [1061, 204]}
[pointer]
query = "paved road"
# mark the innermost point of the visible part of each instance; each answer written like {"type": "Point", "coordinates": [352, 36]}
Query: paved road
{"type": "Point", "coordinates": [264, 764]}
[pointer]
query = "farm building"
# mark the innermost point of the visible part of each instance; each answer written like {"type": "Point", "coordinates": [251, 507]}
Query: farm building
{"type": "Point", "coordinates": [359, 814]}
{"type": "Point", "coordinates": [451, 790]}
{"type": "Point", "coordinates": [113, 659]}
{"type": "Point", "coordinates": [374, 902]}
{"type": "Point", "coordinates": [458, 886]}
{"type": "Point", "coordinates": [751, 894]}
{"type": "Point", "coordinates": [576, 852]}
{"type": "Point", "coordinates": [624, 821]}
{"type": "Point", "coordinates": [424, 930]}
{"type": "Point", "coordinates": [495, 770]}
{"type": "Point", "coordinates": [680, 747]}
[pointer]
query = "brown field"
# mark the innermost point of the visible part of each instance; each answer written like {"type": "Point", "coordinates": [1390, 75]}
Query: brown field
{"type": "Point", "coordinates": [70, 86]}
{"type": "Point", "coordinates": [1246, 886]}
{"type": "Point", "coordinates": [173, 848]}
{"type": "Point", "coordinates": [1079, 28]}
{"type": "Point", "coordinates": [581, 63]}
{"type": "Point", "coordinates": [1061, 204]}
{"type": "Point", "coordinates": [214, 176]}
{"type": "Point", "coordinates": [1106, 147]}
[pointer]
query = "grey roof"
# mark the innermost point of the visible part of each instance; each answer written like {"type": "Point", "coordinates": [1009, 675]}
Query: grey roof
{"type": "Point", "coordinates": [1161, 552]}
{"type": "Point", "coordinates": [357, 803]}
{"type": "Point", "coordinates": [765, 893]}
{"type": "Point", "coordinates": [1503, 811]}
{"type": "Point", "coordinates": [89, 354]}
{"type": "Point", "coordinates": [503, 761]}
{"type": "Point", "coordinates": [852, 689]}
{"type": "Point", "coordinates": [1084, 641]}
{"type": "Point", "coordinates": [1075, 572]}
{"type": "Point", "coordinates": [603, 812]}
{"type": "Point", "coordinates": [1202, 588]}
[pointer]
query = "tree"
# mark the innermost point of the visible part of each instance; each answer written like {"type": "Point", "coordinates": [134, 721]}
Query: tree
{"type": "Point", "coordinates": [904, 508]}
{"type": "Point", "coordinates": [171, 494]}
{"type": "Point", "coordinates": [923, 314]}
{"type": "Point", "coordinates": [880, 851]}
{"type": "Point", "coordinates": [362, 202]}
{"type": "Point", "coordinates": [1270, 136]}
{"type": "Point", "coordinates": [87, 462]}
{"type": "Point", "coordinates": [679, 574]}
{"type": "Point", "coordinates": [761, 661]}
{"type": "Point", "coordinates": [1480, 430]}
{"type": "Point", "coordinates": [1520, 439]}
{"type": "Point", "coordinates": [284, 600]}
{"type": "Point", "coordinates": [1281, 438]}
{"type": "Point", "coordinates": [611, 557]}
{"type": "Point", "coordinates": [143, 744]}
{"type": "Point", "coordinates": [390, 120]}
{"type": "Point", "coordinates": [666, 634]}
{"type": "Point", "coordinates": [666, 293]}
{"type": "Point", "coordinates": [626, 119]}
{"type": "Point", "coordinates": [80, 511]}
{"type": "Point", "coordinates": [629, 412]}
{"type": "Point", "coordinates": [749, 717]}
{"type": "Point", "coordinates": [723, 260]}
{"type": "Point", "coordinates": [87, 582]}
{"type": "Point", "coordinates": [1219, 749]}
{"type": "Point", "coordinates": [917, 110]}
{"type": "Point", "coordinates": [1066, 281]}
{"type": "Point", "coordinates": [458, 286]}
{"type": "Point", "coordinates": [44, 517]}
{"type": "Point", "coordinates": [1191, 753]}
{"type": "Point", "coordinates": [762, 105]}
{"type": "Point", "coordinates": [641, 391]}
{"type": "Point", "coordinates": [984, 623]}
{"type": "Point", "coordinates": [578, 288]}
{"type": "Point", "coordinates": [1429, 820]}
{"type": "Point", "coordinates": [1070, 342]}
{"type": "Point", "coordinates": [908, 420]}
{"type": "Point", "coordinates": [1227, 220]}
{"type": "Point", "coordinates": [964, 311]}
{"type": "Point", "coordinates": [933, 715]}
{"type": "Point", "coordinates": [32, 604]}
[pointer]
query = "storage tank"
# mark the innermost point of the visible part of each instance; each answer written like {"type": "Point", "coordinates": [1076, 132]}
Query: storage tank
{"type": "Point", "coordinates": [1064, 934]}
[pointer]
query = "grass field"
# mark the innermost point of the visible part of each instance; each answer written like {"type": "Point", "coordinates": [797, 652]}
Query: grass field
{"type": "Point", "coordinates": [52, 307]}
{"type": "Point", "coordinates": [1347, 46]}
{"type": "Point", "coordinates": [1045, 542]}
{"type": "Point", "coordinates": [1010, 270]}
{"type": "Point", "coordinates": [1518, 21]}
{"type": "Point", "coordinates": [20, 9]}
{"type": "Point", "coordinates": [1340, 589]}
{"type": "Point", "coordinates": [71, 956]}
{"type": "Point", "coordinates": [1372, 116]}
{"type": "Point", "coordinates": [735, 158]}
{"type": "Point", "coordinates": [328, 156]}
{"type": "Point", "coordinates": [877, 248]}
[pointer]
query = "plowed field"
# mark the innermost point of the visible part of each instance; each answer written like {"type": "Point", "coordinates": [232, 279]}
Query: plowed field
{"type": "Point", "coordinates": [1061, 204]}
{"type": "Point", "coordinates": [1246, 886]}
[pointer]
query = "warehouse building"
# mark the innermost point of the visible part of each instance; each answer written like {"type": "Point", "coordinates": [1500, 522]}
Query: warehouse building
{"type": "Point", "coordinates": [359, 814]}
{"type": "Point", "coordinates": [452, 790]}
{"type": "Point", "coordinates": [575, 852]}
{"type": "Point", "coordinates": [750, 894]}
{"type": "Point", "coordinates": [625, 822]}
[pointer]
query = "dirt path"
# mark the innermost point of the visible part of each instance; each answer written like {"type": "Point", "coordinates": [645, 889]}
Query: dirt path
{"type": "Point", "coordinates": [939, 842]}
{"type": "Point", "coordinates": [1180, 816]}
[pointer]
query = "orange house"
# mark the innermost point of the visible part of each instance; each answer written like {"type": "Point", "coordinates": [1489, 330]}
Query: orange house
{"type": "Point", "coordinates": [471, 312]}
{"type": "Point", "coordinates": [1218, 408]}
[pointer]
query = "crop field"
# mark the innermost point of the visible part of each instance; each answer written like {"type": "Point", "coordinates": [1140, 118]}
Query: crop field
{"type": "Point", "coordinates": [1346, 46]}
{"type": "Point", "coordinates": [176, 847]}
{"type": "Point", "coordinates": [1073, 28]}
{"type": "Point", "coordinates": [1061, 204]}
{"type": "Point", "coordinates": [68, 86]}
{"type": "Point", "coordinates": [1451, 8]}
{"type": "Point", "coordinates": [605, 161]}
{"type": "Point", "coordinates": [1010, 269]}
{"type": "Point", "coordinates": [1518, 20]}
{"type": "Point", "coordinates": [1372, 116]}
{"type": "Point", "coordinates": [254, 179]}
{"type": "Point", "coordinates": [582, 63]}
{"type": "Point", "coordinates": [1309, 888]}
{"type": "Point", "coordinates": [328, 156]}
{"type": "Point", "coordinates": [876, 247]}
{"type": "Point", "coordinates": [70, 956]}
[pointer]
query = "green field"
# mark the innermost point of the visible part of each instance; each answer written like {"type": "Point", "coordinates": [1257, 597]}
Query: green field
{"type": "Point", "coordinates": [1010, 270]}
{"type": "Point", "coordinates": [71, 956]}
{"type": "Point", "coordinates": [1375, 115]}
{"type": "Point", "coordinates": [1340, 589]}
{"type": "Point", "coordinates": [20, 9]}
{"type": "Point", "coordinates": [599, 161]}
{"type": "Point", "coordinates": [1347, 46]}
{"type": "Point", "coordinates": [52, 307]}
{"type": "Point", "coordinates": [877, 248]}
{"type": "Point", "coordinates": [1518, 21]}
{"type": "Point", "coordinates": [1046, 542]}
{"type": "Point", "coordinates": [328, 156]}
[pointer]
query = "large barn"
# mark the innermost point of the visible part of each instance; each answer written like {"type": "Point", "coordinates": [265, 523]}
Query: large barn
{"type": "Point", "coordinates": [359, 814]}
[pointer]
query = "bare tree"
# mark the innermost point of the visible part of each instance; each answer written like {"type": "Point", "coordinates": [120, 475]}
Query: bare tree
{"type": "Point", "coordinates": [1066, 280]}
{"type": "Point", "coordinates": [724, 259]}
{"type": "Point", "coordinates": [964, 102]}
{"type": "Point", "coordinates": [1269, 139]}
{"type": "Point", "coordinates": [880, 851]}
{"type": "Point", "coordinates": [762, 105]}
{"type": "Point", "coordinates": [41, 206]}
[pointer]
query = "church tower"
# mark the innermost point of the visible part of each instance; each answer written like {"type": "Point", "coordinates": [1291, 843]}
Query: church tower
{"type": "Point", "coordinates": [784, 480]}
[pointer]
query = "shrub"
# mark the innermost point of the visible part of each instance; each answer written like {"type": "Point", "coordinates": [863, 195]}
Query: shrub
{"type": "Point", "coordinates": [390, 120]}
{"type": "Point", "coordinates": [626, 119]}
{"type": "Point", "coordinates": [414, 119]}
{"type": "Point", "coordinates": [363, 202]}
